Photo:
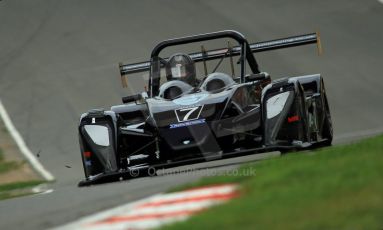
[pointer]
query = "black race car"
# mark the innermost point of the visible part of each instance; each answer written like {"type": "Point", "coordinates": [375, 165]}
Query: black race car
{"type": "Point", "coordinates": [204, 105]}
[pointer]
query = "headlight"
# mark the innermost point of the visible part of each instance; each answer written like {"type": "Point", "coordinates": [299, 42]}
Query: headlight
{"type": "Point", "coordinates": [276, 103]}
{"type": "Point", "coordinates": [99, 134]}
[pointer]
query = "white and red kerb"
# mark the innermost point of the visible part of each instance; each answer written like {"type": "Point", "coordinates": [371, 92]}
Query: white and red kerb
{"type": "Point", "coordinates": [158, 210]}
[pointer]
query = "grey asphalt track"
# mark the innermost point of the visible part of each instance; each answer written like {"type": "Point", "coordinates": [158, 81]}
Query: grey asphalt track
{"type": "Point", "coordinates": [59, 59]}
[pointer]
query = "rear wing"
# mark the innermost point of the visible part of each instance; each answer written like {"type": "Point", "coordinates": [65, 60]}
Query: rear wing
{"type": "Point", "coordinates": [235, 51]}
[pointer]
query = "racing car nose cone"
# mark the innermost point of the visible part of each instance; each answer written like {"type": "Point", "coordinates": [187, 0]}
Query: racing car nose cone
{"type": "Point", "coordinates": [186, 142]}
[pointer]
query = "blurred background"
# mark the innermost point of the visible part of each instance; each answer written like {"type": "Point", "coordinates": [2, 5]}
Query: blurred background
{"type": "Point", "coordinates": [60, 58]}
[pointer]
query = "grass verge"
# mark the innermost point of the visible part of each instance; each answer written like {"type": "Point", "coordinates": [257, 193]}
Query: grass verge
{"type": "Point", "coordinates": [17, 189]}
{"type": "Point", "coordinates": [6, 166]}
{"type": "Point", "coordinates": [339, 187]}
{"type": "Point", "coordinates": [14, 189]}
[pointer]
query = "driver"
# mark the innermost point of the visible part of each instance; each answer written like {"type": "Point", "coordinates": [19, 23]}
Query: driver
{"type": "Point", "coordinates": [181, 67]}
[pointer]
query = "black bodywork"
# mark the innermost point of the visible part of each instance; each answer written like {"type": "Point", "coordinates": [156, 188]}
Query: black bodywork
{"type": "Point", "coordinates": [249, 114]}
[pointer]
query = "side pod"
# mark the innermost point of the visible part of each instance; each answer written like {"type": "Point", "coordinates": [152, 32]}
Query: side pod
{"type": "Point", "coordinates": [284, 113]}
{"type": "Point", "coordinates": [97, 134]}
{"type": "Point", "coordinates": [318, 111]}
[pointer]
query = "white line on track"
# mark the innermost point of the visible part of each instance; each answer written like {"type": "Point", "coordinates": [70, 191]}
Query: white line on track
{"type": "Point", "coordinates": [23, 147]}
{"type": "Point", "coordinates": [42, 189]}
{"type": "Point", "coordinates": [381, 1]}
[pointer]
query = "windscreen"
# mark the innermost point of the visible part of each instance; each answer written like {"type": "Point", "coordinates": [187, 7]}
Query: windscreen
{"type": "Point", "coordinates": [176, 63]}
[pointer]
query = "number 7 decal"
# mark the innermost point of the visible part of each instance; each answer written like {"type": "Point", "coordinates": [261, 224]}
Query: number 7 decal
{"type": "Point", "coordinates": [188, 114]}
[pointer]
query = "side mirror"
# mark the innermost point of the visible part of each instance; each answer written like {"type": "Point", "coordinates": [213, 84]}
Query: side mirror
{"type": "Point", "coordinates": [257, 76]}
{"type": "Point", "coordinates": [131, 98]}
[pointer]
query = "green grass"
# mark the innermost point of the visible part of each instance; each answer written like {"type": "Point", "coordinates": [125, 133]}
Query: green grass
{"type": "Point", "coordinates": [6, 166]}
{"type": "Point", "coordinates": [16, 189]}
{"type": "Point", "coordinates": [333, 188]}
{"type": "Point", "coordinates": [5, 130]}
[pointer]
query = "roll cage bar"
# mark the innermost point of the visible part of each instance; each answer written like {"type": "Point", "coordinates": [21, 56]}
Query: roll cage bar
{"type": "Point", "coordinates": [244, 52]}
{"type": "Point", "coordinates": [244, 49]}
